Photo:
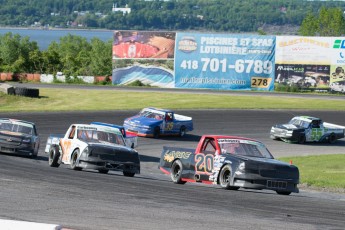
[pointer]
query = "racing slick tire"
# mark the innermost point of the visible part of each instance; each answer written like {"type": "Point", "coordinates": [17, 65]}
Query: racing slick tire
{"type": "Point", "coordinates": [176, 172]}
{"type": "Point", "coordinates": [283, 193]}
{"type": "Point", "coordinates": [54, 155]}
{"type": "Point", "coordinates": [301, 139]}
{"type": "Point", "coordinates": [129, 174]}
{"type": "Point", "coordinates": [156, 132]}
{"type": "Point", "coordinates": [225, 177]}
{"type": "Point", "coordinates": [103, 171]}
{"type": "Point", "coordinates": [331, 138]}
{"type": "Point", "coordinates": [182, 131]}
{"type": "Point", "coordinates": [74, 159]}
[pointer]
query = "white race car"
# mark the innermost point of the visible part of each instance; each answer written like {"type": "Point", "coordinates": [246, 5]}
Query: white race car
{"type": "Point", "coordinates": [97, 147]}
{"type": "Point", "coordinates": [303, 129]}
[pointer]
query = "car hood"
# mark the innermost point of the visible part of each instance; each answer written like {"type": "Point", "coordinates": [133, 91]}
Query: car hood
{"type": "Point", "coordinates": [137, 120]}
{"type": "Point", "coordinates": [106, 145]}
{"type": "Point", "coordinates": [262, 160]}
{"type": "Point", "coordinates": [271, 167]}
{"type": "Point", "coordinates": [114, 152]}
{"type": "Point", "coordinates": [289, 127]}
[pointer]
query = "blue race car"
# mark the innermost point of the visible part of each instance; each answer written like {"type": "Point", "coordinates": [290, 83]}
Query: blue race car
{"type": "Point", "coordinates": [153, 122]}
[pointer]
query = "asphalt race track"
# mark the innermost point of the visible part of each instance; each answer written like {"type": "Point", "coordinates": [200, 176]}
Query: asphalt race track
{"type": "Point", "coordinates": [32, 191]}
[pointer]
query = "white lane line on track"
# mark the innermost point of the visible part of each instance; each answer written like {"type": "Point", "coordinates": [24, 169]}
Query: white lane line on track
{"type": "Point", "coordinates": [25, 225]}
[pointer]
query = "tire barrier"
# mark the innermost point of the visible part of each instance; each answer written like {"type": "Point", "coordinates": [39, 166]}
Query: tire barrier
{"type": "Point", "coordinates": [26, 92]}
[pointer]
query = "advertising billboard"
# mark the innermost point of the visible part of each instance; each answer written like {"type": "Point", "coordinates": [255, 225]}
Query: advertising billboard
{"type": "Point", "coordinates": [303, 62]}
{"type": "Point", "coordinates": [224, 61]}
{"type": "Point", "coordinates": [143, 56]}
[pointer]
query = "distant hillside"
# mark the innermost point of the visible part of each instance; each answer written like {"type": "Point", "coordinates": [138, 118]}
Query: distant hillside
{"type": "Point", "coordinates": [277, 16]}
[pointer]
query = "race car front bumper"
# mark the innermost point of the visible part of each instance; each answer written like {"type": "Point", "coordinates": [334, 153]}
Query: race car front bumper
{"type": "Point", "coordinates": [104, 160]}
{"type": "Point", "coordinates": [23, 149]}
{"type": "Point", "coordinates": [115, 166]}
{"type": "Point", "coordinates": [284, 134]}
{"type": "Point", "coordinates": [270, 184]}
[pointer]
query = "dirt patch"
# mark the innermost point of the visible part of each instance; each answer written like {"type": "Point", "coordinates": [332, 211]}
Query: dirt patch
{"type": "Point", "coordinates": [312, 188]}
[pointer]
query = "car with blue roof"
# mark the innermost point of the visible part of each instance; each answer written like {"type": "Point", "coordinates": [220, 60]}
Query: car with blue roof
{"type": "Point", "coordinates": [153, 122]}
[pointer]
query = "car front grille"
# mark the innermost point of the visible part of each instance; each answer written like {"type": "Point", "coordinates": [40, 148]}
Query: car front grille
{"type": "Point", "coordinates": [12, 141]}
{"type": "Point", "coordinates": [276, 184]}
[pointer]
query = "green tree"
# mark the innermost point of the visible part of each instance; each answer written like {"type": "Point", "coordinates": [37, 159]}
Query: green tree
{"type": "Point", "coordinates": [51, 59]}
{"type": "Point", "coordinates": [101, 57]}
{"type": "Point", "coordinates": [15, 53]}
{"type": "Point", "coordinates": [74, 55]}
{"type": "Point", "coordinates": [329, 22]}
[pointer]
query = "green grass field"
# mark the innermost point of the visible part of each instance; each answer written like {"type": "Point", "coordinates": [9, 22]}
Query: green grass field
{"type": "Point", "coordinates": [324, 171]}
{"type": "Point", "coordinates": [77, 99]}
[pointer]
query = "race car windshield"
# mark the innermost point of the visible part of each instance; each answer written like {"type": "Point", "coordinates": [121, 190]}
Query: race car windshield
{"type": "Point", "coordinates": [5, 126]}
{"type": "Point", "coordinates": [246, 149]}
{"type": "Point", "coordinates": [298, 122]}
{"type": "Point", "coordinates": [100, 137]}
{"type": "Point", "coordinates": [150, 114]}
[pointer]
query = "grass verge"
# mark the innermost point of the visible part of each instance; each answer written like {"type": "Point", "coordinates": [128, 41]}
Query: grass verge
{"type": "Point", "coordinates": [322, 171]}
{"type": "Point", "coordinates": [83, 99]}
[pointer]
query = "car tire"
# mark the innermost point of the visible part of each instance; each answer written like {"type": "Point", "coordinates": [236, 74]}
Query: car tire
{"type": "Point", "coordinates": [331, 138]}
{"type": "Point", "coordinates": [26, 92]}
{"type": "Point", "coordinates": [156, 132]}
{"type": "Point", "coordinates": [273, 137]}
{"type": "Point", "coordinates": [128, 174]}
{"type": "Point", "coordinates": [103, 171]}
{"type": "Point", "coordinates": [225, 178]}
{"type": "Point", "coordinates": [285, 193]}
{"type": "Point", "coordinates": [301, 139]}
{"type": "Point", "coordinates": [176, 172]}
{"type": "Point", "coordinates": [182, 131]}
{"type": "Point", "coordinates": [74, 159]}
{"type": "Point", "coordinates": [53, 156]}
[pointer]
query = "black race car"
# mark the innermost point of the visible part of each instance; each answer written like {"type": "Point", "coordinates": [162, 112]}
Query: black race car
{"type": "Point", "coordinates": [18, 137]}
{"type": "Point", "coordinates": [232, 162]}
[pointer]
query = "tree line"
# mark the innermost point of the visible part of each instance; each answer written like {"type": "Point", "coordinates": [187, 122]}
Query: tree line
{"type": "Point", "coordinates": [73, 55]}
{"type": "Point", "coordinates": [201, 15]}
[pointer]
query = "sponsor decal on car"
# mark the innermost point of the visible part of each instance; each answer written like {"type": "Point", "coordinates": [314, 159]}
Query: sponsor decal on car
{"type": "Point", "coordinates": [170, 156]}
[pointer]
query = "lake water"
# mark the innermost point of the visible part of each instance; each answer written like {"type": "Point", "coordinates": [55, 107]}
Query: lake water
{"type": "Point", "coordinates": [45, 37]}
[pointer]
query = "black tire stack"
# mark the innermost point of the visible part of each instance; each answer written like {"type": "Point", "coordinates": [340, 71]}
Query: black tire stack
{"type": "Point", "coordinates": [26, 92]}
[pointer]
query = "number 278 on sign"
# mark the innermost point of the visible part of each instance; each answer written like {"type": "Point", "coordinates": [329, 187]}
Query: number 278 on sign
{"type": "Point", "coordinates": [260, 82]}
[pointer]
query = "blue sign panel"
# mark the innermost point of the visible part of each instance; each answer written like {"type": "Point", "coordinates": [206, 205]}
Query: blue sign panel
{"type": "Point", "coordinates": [224, 61]}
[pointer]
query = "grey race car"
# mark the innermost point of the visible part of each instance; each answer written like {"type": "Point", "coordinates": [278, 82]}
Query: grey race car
{"type": "Point", "coordinates": [301, 129]}
{"type": "Point", "coordinates": [18, 137]}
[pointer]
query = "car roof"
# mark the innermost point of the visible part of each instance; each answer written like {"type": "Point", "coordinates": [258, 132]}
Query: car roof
{"type": "Point", "coordinates": [119, 127]}
{"type": "Point", "coordinates": [96, 127]}
{"type": "Point", "coordinates": [17, 120]}
{"type": "Point", "coordinates": [159, 109]}
{"type": "Point", "coordinates": [309, 118]}
{"type": "Point", "coordinates": [106, 124]}
{"type": "Point", "coordinates": [230, 137]}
